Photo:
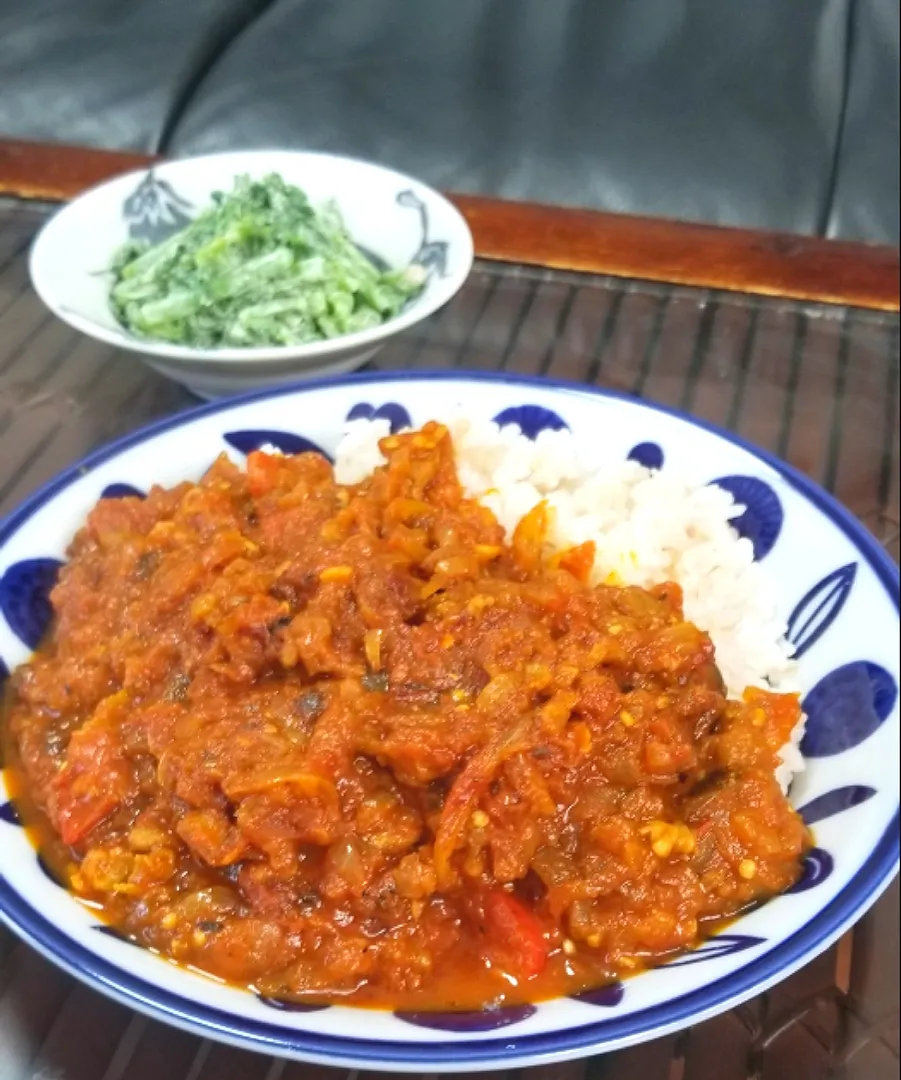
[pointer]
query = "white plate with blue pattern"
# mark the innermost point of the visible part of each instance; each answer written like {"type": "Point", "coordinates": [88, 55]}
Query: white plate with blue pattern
{"type": "Point", "coordinates": [840, 599]}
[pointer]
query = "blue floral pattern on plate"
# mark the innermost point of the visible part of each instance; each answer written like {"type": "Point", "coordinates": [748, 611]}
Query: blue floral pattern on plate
{"type": "Point", "coordinates": [818, 609]}
{"type": "Point", "coordinates": [396, 415]}
{"type": "Point", "coordinates": [835, 802]}
{"type": "Point", "coordinates": [25, 598]}
{"type": "Point", "coordinates": [531, 419]}
{"type": "Point", "coordinates": [116, 935]}
{"type": "Point", "coordinates": [122, 491]}
{"type": "Point", "coordinates": [718, 946]}
{"type": "Point", "coordinates": [290, 1006]}
{"type": "Point", "coordinates": [49, 873]}
{"type": "Point", "coordinates": [846, 707]}
{"type": "Point", "coordinates": [763, 515]}
{"type": "Point", "coordinates": [286, 441]}
{"type": "Point", "coordinates": [474, 1020]}
{"type": "Point", "coordinates": [8, 812]}
{"type": "Point", "coordinates": [649, 454]}
{"type": "Point", "coordinates": [605, 997]}
{"type": "Point", "coordinates": [818, 865]}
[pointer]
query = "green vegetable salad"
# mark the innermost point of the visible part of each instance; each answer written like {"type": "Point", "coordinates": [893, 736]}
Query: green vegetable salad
{"type": "Point", "coordinates": [260, 267]}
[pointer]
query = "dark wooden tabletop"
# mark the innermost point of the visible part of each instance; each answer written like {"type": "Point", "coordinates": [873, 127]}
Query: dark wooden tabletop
{"type": "Point", "coordinates": [815, 383]}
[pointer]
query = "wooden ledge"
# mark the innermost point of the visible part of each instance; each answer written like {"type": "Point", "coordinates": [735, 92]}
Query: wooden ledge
{"type": "Point", "coordinates": [649, 249]}
{"type": "Point", "coordinates": [53, 173]}
{"type": "Point", "coordinates": [682, 253]}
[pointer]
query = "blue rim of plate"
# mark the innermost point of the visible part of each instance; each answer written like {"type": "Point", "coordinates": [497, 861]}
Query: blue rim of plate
{"type": "Point", "coordinates": [855, 898]}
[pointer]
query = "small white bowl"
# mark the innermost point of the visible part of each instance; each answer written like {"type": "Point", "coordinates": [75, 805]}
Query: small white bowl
{"type": "Point", "coordinates": [390, 216]}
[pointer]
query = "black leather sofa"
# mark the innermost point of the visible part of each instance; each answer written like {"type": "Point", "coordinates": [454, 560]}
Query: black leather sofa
{"type": "Point", "coordinates": [779, 114]}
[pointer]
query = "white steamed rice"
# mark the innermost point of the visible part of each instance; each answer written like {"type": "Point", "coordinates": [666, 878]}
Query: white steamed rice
{"type": "Point", "coordinates": [648, 525]}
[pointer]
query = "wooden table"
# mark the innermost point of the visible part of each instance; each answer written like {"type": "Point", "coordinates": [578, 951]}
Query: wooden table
{"type": "Point", "coordinates": [745, 340]}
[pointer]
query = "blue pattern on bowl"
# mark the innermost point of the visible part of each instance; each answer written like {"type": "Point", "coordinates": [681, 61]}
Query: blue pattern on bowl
{"type": "Point", "coordinates": [25, 598]}
{"type": "Point", "coordinates": [714, 948]}
{"type": "Point", "coordinates": [8, 812]}
{"type": "Point", "coordinates": [846, 707]}
{"type": "Point", "coordinates": [531, 419]}
{"type": "Point", "coordinates": [154, 211]}
{"type": "Point", "coordinates": [762, 517]}
{"type": "Point", "coordinates": [396, 415]}
{"type": "Point", "coordinates": [432, 254]}
{"type": "Point", "coordinates": [818, 865]}
{"type": "Point", "coordinates": [649, 454]}
{"type": "Point", "coordinates": [49, 873]}
{"type": "Point", "coordinates": [286, 441]}
{"type": "Point", "coordinates": [122, 491]}
{"type": "Point", "coordinates": [290, 1006]}
{"type": "Point", "coordinates": [116, 935]}
{"type": "Point", "coordinates": [818, 609]}
{"type": "Point", "coordinates": [605, 997]}
{"type": "Point", "coordinates": [475, 1020]}
{"type": "Point", "coordinates": [835, 802]}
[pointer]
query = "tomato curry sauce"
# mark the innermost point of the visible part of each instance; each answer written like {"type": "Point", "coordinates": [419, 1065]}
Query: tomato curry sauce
{"type": "Point", "coordinates": [350, 743]}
